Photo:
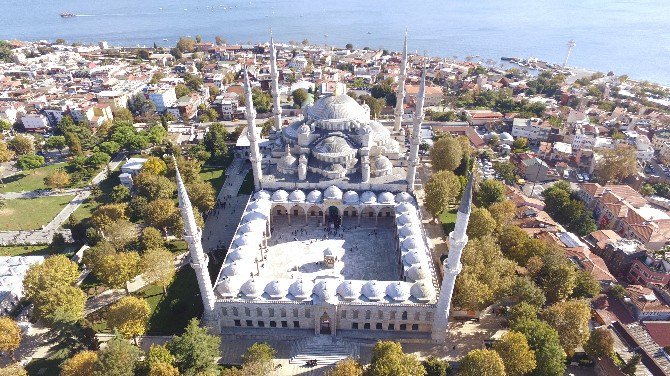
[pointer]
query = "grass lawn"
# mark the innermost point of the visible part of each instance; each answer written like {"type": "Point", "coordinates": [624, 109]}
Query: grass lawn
{"type": "Point", "coordinates": [38, 250]}
{"type": "Point", "coordinates": [89, 205]}
{"type": "Point", "coordinates": [448, 220]}
{"type": "Point", "coordinates": [247, 187]}
{"type": "Point", "coordinates": [215, 175]}
{"type": "Point", "coordinates": [177, 246]}
{"type": "Point", "coordinates": [29, 180]}
{"type": "Point", "coordinates": [31, 214]}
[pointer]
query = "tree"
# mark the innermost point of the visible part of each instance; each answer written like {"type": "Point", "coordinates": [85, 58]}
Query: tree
{"type": "Point", "coordinates": [6, 155]}
{"type": "Point", "coordinates": [346, 367]}
{"type": "Point", "coordinates": [202, 196]}
{"type": "Point", "coordinates": [181, 90]}
{"type": "Point", "coordinates": [98, 159]}
{"type": "Point", "coordinates": [388, 359]}
{"type": "Point", "coordinates": [119, 358]}
{"type": "Point", "coordinates": [441, 190]}
{"type": "Point", "coordinates": [262, 100]}
{"type": "Point", "coordinates": [139, 105]}
{"type": "Point", "coordinates": [195, 351]}
{"type": "Point", "coordinates": [586, 286]}
{"type": "Point", "coordinates": [10, 335]}
{"type": "Point", "coordinates": [506, 170]}
{"type": "Point", "coordinates": [299, 96]}
{"type": "Point", "coordinates": [55, 142]}
{"type": "Point", "coordinates": [158, 266]}
{"type": "Point", "coordinates": [520, 144]}
{"type": "Point", "coordinates": [557, 276]}
{"type": "Point", "coordinates": [543, 339]}
{"type": "Point", "coordinates": [105, 215]}
{"type": "Point", "coordinates": [525, 290]}
{"type": "Point", "coordinates": [13, 369]}
{"type": "Point", "coordinates": [120, 193]}
{"type": "Point", "coordinates": [82, 363]}
{"type": "Point", "coordinates": [617, 292]}
{"type": "Point", "coordinates": [154, 187]}
{"type": "Point", "coordinates": [257, 360]}
{"type": "Point", "coordinates": [151, 238]}
{"type": "Point", "coordinates": [109, 147]}
{"type": "Point", "coordinates": [515, 353]}
{"type": "Point", "coordinates": [29, 162]}
{"type": "Point", "coordinates": [154, 166]}
{"type": "Point", "coordinates": [502, 212]}
{"type": "Point", "coordinates": [115, 269]}
{"type": "Point", "coordinates": [22, 145]}
{"type": "Point", "coordinates": [215, 141]}
{"type": "Point", "coordinates": [375, 105]}
{"type": "Point", "coordinates": [489, 193]}
{"type": "Point", "coordinates": [219, 40]}
{"type": "Point", "coordinates": [58, 179]}
{"type": "Point", "coordinates": [74, 143]}
{"type": "Point", "coordinates": [481, 363]}
{"type": "Point", "coordinates": [186, 44]}
{"type": "Point", "coordinates": [617, 164]}
{"type": "Point", "coordinates": [63, 303]}
{"type": "Point", "coordinates": [349, 46]}
{"type": "Point", "coordinates": [446, 154]}
{"type": "Point", "coordinates": [600, 344]}
{"type": "Point", "coordinates": [54, 271]}
{"type": "Point", "coordinates": [129, 316]}
{"type": "Point", "coordinates": [647, 190]}
{"type": "Point", "coordinates": [157, 134]}
{"type": "Point", "coordinates": [163, 369]}
{"type": "Point", "coordinates": [571, 321]}
{"type": "Point", "coordinates": [481, 223]}
{"type": "Point", "coordinates": [436, 367]}
{"type": "Point", "coordinates": [520, 314]}
{"type": "Point", "coordinates": [630, 367]}
{"type": "Point", "coordinates": [164, 214]}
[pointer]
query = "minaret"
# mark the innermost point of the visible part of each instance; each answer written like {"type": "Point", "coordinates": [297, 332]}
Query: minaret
{"type": "Point", "coordinates": [276, 105]}
{"type": "Point", "coordinates": [400, 96]}
{"type": "Point", "coordinates": [452, 265]}
{"type": "Point", "coordinates": [199, 260]}
{"type": "Point", "coordinates": [255, 156]}
{"type": "Point", "coordinates": [416, 134]}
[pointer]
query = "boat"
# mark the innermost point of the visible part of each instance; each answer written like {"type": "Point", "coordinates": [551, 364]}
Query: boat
{"type": "Point", "coordinates": [67, 15]}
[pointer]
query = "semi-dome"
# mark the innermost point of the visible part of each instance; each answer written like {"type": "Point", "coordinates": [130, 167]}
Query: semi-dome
{"type": "Point", "coordinates": [422, 291]}
{"type": "Point", "coordinates": [404, 197]}
{"type": "Point", "coordinates": [349, 290]}
{"type": "Point", "coordinates": [297, 196]}
{"type": "Point", "coordinates": [252, 289]}
{"type": "Point", "coordinates": [242, 253]}
{"type": "Point", "coordinates": [276, 289]}
{"type": "Point", "coordinates": [417, 272]}
{"type": "Point", "coordinates": [398, 291]}
{"type": "Point", "coordinates": [413, 257]}
{"type": "Point", "coordinates": [337, 107]}
{"type": "Point", "coordinates": [262, 195]}
{"type": "Point", "coordinates": [280, 195]}
{"type": "Point", "coordinates": [314, 197]}
{"type": "Point", "coordinates": [373, 290]}
{"type": "Point", "coordinates": [350, 197]}
{"type": "Point", "coordinates": [227, 288]}
{"type": "Point", "coordinates": [301, 289]}
{"type": "Point", "coordinates": [386, 198]}
{"type": "Point", "coordinates": [236, 268]}
{"type": "Point", "coordinates": [332, 193]}
{"type": "Point", "coordinates": [333, 148]}
{"type": "Point", "coordinates": [325, 289]}
{"type": "Point", "coordinates": [368, 198]}
{"type": "Point", "coordinates": [382, 164]}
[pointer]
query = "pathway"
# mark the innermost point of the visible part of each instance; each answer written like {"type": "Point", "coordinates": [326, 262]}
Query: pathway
{"type": "Point", "coordinates": [45, 234]}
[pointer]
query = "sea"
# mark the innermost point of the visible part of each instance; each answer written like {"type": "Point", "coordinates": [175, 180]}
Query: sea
{"type": "Point", "coordinates": [629, 37]}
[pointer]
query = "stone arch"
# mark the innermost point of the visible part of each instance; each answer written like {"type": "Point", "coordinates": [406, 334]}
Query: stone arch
{"type": "Point", "coordinates": [368, 217]}
{"type": "Point", "coordinates": [314, 214]}
{"type": "Point", "coordinates": [350, 215]}
{"type": "Point", "coordinates": [279, 214]}
{"type": "Point", "coordinates": [297, 213]}
{"type": "Point", "coordinates": [386, 216]}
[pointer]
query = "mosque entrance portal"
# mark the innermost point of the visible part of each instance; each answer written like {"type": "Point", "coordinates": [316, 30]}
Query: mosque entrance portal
{"type": "Point", "coordinates": [334, 217]}
{"type": "Point", "coordinates": [325, 324]}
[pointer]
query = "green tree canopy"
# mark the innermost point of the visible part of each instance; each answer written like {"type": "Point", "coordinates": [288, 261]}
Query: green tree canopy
{"type": "Point", "coordinates": [515, 353]}
{"type": "Point", "coordinates": [446, 154]}
{"type": "Point", "coordinates": [441, 190]}
{"type": "Point", "coordinates": [600, 344]}
{"type": "Point", "coordinates": [196, 350]}
{"type": "Point", "coordinates": [388, 359]}
{"type": "Point", "coordinates": [119, 358]}
{"type": "Point", "coordinates": [481, 363]}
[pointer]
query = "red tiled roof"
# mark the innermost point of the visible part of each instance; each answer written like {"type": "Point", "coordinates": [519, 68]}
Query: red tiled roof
{"type": "Point", "coordinates": [659, 331]}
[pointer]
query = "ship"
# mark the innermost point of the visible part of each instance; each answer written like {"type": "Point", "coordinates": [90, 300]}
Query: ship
{"type": "Point", "coordinates": [67, 15]}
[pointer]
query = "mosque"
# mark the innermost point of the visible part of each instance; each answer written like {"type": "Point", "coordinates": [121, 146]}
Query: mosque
{"type": "Point", "coordinates": [332, 239]}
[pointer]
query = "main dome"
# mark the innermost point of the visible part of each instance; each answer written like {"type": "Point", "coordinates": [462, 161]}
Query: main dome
{"type": "Point", "coordinates": [341, 107]}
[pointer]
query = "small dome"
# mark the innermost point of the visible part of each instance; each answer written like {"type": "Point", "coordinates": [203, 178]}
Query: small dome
{"type": "Point", "coordinates": [398, 291]}
{"type": "Point", "coordinates": [325, 289]}
{"type": "Point", "coordinates": [314, 197]}
{"type": "Point", "coordinates": [333, 193]}
{"type": "Point", "coordinates": [262, 195]}
{"type": "Point", "coordinates": [404, 197]}
{"type": "Point", "coordinates": [386, 198]}
{"type": "Point", "coordinates": [368, 198]}
{"type": "Point", "coordinates": [248, 239]}
{"type": "Point", "coordinates": [330, 251]}
{"type": "Point", "coordinates": [301, 289]}
{"type": "Point", "coordinates": [407, 230]}
{"type": "Point", "coordinates": [280, 196]}
{"type": "Point", "coordinates": [382, 163]}
{"type": "Point", "coordinates": [373, 290]}
{"type": "Point", "coordinates": [227, 288]}
{"type": "Point", "coordinates": [254, 216]}
{"type": "Point", "coordinates": [350, 197]}
{"type": "Point", "coordinates": [304, 129]}
{"type": "Point", "coordinates": [349, 290]}
{"type": "Point", "coordinates": [405, 207]}
{"type": "Point", "coordinates": [236, 268]}
{"type": "Point", "coordinates": [242, 253]}
{"type": "Point", "coordinates": [288, 161]}
{"type": "Point", "coordinates": [259, 205]}
{"type": "Point", "coordinates": [252, 289]}
{"type": "Point", "coordinates": [422, 291]}
{"type": "Point", "coordinates": [276, 289]}
{"type": "Point", "coordinates": [413, 257]}
{"type": "Point", "coordinates": [404, 219]}
{"type": "Point", "coordinates": [256, 226]}
{"type": "Point", "coordinates": [297, 196]}
{"type": "Point", "coordinates": [410, 243]}
{"type": "Point", "coordinates": [417, 272]}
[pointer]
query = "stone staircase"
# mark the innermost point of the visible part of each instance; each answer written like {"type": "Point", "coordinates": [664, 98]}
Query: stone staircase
{"type": "Point", "coordinates": [324, 348]}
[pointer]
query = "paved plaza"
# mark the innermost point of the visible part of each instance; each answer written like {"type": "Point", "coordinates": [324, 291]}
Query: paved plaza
{"type": "Point", "coordinates": [363, 253]}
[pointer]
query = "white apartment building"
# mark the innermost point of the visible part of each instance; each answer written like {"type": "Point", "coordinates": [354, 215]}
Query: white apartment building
{"type": "Point", "coordinates": [35, 122]}
{"type": "Point", "coordinates": [163, 98]}
{"type": "Point", "coordinates": [534, 129]}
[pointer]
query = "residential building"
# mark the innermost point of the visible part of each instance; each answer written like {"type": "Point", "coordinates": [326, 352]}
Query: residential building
{"type": "Point", "coordinates": [162, 97]}
{"type": "Point", "coordinates": [533, 129]}
{"type": "Point", "coordinates": [35, 122]}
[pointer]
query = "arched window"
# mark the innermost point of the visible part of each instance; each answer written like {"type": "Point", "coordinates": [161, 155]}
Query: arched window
{"type": "Point", "coordinates": [367, 314]}
{"type": "Point", "coordinates": [404, 315]}
{"type": "Point", "coordinates": [259, 312]}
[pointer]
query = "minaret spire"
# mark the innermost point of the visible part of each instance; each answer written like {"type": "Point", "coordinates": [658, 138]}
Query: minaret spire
{"type": "Point", "coordinates": [199, 260]}
{"type": "Point", "coordinates": [416, 133]}
{"type": "Point", "coordinates": [452, 265]}
{"type": "Point", "coordinates": [255, 154]}
{"type": "Point", "coordinates": [400, 97]}
{"type": "Point", "coordinates": [276, 105]}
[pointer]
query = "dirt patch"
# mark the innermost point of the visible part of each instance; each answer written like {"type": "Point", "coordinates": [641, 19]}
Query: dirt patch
{"type": "Point", "coordinates": [6, 212]}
